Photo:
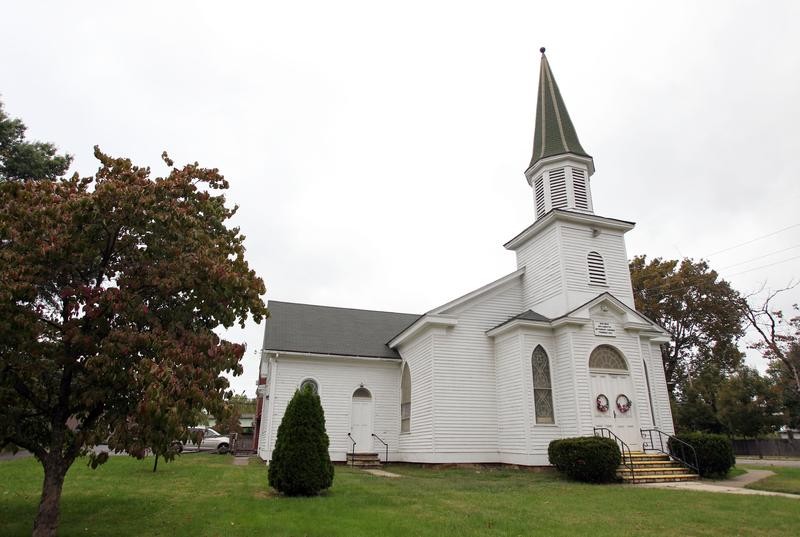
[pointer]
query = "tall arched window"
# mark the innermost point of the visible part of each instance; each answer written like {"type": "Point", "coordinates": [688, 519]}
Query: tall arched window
{"type": "Point", "coordinates": [542, 386]}
{"type": "Point", "coordinates": [405, 401]}
{"type": "Point", "coordinates": [649, 394]}
{"type": "Point", "coordinates": [597, 269]}
{"type": "Point", "coordinates": [607, 357]}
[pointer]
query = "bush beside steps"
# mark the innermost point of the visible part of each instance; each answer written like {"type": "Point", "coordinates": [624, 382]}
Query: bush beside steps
{"type": "Point", "coordinates": [586, 458]}
{"type": "Point", "coordinates": [714, 452]}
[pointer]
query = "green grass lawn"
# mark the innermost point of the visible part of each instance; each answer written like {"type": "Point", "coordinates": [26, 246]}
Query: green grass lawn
{"type": "Point", "coordinates": [206, 495]}
{"type": "Point", "coordinates": [786, 480]}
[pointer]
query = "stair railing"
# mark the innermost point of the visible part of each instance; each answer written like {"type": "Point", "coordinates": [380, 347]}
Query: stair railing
{"type": "Point", "coordinates": [605, 432]}
{"type": "Point", "coordinates": [676, 448]}
{"type": "Point", "coordinates": [353, 458]}
{"type": "Point", "coordinates": [386, 457]}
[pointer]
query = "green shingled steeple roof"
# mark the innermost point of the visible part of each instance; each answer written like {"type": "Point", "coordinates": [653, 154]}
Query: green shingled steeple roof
{"type": "Point", "coordinates": [554, 134]}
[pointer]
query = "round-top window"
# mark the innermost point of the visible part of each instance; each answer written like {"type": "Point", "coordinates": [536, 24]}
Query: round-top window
{"type": "Point", "coordinates": [310, 384]}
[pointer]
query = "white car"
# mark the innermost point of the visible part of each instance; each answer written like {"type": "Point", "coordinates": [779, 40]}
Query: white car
{"type": "Point", "coordinates": [211, 441]}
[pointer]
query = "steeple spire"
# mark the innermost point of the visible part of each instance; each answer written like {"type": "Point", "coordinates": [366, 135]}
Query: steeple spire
{"type": "Point", "coordinates": [554, 133]}
{"type": "Point", "coordinates": [560, 169]}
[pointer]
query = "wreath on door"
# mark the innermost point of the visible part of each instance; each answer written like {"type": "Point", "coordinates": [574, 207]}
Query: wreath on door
{"type": "Point", "coordinates": [602, 403]}
{"type": "Point", "coordinates": [623, 403]}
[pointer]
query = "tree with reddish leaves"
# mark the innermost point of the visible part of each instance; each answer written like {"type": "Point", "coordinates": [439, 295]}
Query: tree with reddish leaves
{"type": "Point", "coordinates": [110, 289]}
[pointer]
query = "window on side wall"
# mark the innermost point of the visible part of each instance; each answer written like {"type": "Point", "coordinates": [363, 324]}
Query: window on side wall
{"type": "Point", "coordinates": [405, 401]}
{"type": "Point", "coordinates": [542, 387]}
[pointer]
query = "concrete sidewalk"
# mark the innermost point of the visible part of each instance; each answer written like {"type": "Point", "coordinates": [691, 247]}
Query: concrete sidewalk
{"type": "Point", "coordinates": [791, 463]}
{"type": "Point", "coordinates": [708, 487]}
{"type": "Point", "coordinates": [728, 486]}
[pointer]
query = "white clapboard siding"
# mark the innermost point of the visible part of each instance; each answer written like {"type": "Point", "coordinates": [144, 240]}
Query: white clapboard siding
{"type": "Point", "coordinates": [263, 433]}
{"type": "Point", "coordinates": [660, 393]}
{"type": "Point", "coordinates": [338, 378]}
{"type": "Point", "coordinates": [465, 397]}
{"type": "Point", "coordinates": [577, 242]}
{"type": "Point", "coordinates": [542, 281]}
{"type": "Point", "coordinates": [583, 342]}
{"type": "Point", "coordinates": [418, 354]}
{"type": "Point", "coordinates": [511, 422]}
{"type": "Point", "coordinates": [541, 434]}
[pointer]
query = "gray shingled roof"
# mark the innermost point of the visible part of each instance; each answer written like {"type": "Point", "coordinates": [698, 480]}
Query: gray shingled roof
{"type": "Point", "coordinates": [328, 330]}
{"type": "Point", "coordinates": [529, 315]}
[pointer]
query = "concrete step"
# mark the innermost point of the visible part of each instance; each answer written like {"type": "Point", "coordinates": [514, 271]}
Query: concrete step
{"type": "Point", "coordinates": [643, 457]}
{"type": "Point", "coordinates": [653, 471]}
{"type": "Point", "coordinates": [660, 478]}
{"type": "Point", "coordinates": [364, 460]}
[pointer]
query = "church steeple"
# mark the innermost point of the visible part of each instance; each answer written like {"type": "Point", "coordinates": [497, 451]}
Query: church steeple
{"type": "Point", "coordinates": [560, 168]}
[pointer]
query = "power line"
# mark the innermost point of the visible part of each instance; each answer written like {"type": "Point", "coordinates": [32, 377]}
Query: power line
{"type": "Point", "coordinates": [765, 266]}
{"type": "Point", "coordinates": [753, 240]}
{"type": "Point", "coordinates": [761, 257]}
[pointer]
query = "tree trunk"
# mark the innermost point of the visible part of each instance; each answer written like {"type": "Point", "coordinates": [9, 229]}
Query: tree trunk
{"type": "Point", "coordinates": [155, 464]}
{"type": "Point", "coordinates": [46, 522]}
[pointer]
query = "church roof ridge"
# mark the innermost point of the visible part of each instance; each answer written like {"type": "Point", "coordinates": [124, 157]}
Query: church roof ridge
{"type": "Point", "coordinates": [554, 132]}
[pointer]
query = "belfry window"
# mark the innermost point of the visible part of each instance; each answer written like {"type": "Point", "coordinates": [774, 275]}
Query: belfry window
{"type": "Point", "coordinates": [542, 386]}
{"type": "Point", "coordinates": [597, 269]}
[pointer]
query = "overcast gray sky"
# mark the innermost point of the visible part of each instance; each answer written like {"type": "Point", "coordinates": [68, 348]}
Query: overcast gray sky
{"type": "Point", "coordinates": [376, 149]}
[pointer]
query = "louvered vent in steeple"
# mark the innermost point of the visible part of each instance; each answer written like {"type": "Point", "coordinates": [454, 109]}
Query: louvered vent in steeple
{"type": "Point", "coordinates": [539, 187]}
{"type": "Point", "coordinates": [558, 188]}
{"type": "Point", "coordinates": [579, 189]}
{"type": "Point", "coordinates": [597, 269]}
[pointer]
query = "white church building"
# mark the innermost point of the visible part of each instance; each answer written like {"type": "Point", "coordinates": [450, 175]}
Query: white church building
{"type": "Point", "coordinates": [552, 350]}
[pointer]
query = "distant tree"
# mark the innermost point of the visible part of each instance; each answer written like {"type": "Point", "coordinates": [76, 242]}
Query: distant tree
{"type": "Point", "coordinates": [20, 159]}
{"type": "Point", "coordinates": [745, 404]}
{"type": "Point", "coordinates": [779, 335]}
{"type": "Point", "coordinates": [107, 283]}
{"type": "Point", "coordinates": [784, 392]}
{"type": "Point", "coordinates": [701, 312]}
{"type": "Point", "coordinates": [228, 420]}
{"type": "Point", "coordinates": [696, 405]}
{"type": "Point", "coordinates": [301, 464]}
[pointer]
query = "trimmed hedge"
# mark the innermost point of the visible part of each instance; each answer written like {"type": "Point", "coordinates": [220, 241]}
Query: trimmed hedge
{"type": "Point", "coordinates": [586, 458]}
{"type": "Point", "coordinates": [301, 465]}
{"type": "Point", "coordinates": [714, 452]}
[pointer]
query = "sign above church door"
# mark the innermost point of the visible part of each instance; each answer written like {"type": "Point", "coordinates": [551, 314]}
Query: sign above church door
{"type": "Point", "coordinates": [605, 329]}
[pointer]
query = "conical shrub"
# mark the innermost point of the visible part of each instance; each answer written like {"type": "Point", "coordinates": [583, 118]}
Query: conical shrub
{"type": "Point", "coordinates": [301, 465]}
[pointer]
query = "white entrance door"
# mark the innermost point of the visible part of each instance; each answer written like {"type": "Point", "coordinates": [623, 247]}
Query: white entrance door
{"type": "Point", "coordinates": [361, 420]}
{"type": "Point", "coordinates": [623, 424]}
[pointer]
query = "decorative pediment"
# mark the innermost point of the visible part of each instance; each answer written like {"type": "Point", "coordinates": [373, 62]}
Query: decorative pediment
{"type": "Point", "coordinates": [608, 314]}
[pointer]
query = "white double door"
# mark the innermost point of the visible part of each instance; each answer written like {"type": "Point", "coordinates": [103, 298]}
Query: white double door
{"type": "Point", "coordinates": [361, 424]}
{"type": "Point", "coordinates": [623, 424]}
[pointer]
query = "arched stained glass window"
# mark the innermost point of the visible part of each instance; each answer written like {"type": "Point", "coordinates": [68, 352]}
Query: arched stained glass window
{"type": "Point", "coordinates": [362, 393]}
{"type": "Point", "coordinates": [405, 401]}
{"type": "Point", "coordinates": [542, 386]}
{"type": "Point", "coordinates": [607, 357]}
{"type": "Point", "coordinates": [310, 384]}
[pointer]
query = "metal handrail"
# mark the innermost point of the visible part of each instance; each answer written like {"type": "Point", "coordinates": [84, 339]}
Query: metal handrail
{"type": "Point", "coordinates": [353, 458]}
{"type": "Point", "coordinates": [671, 447]}
{"type": "Point", "coordinates": [622, 448]}
{"type": "Point", "coordinates": [386, 457]}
